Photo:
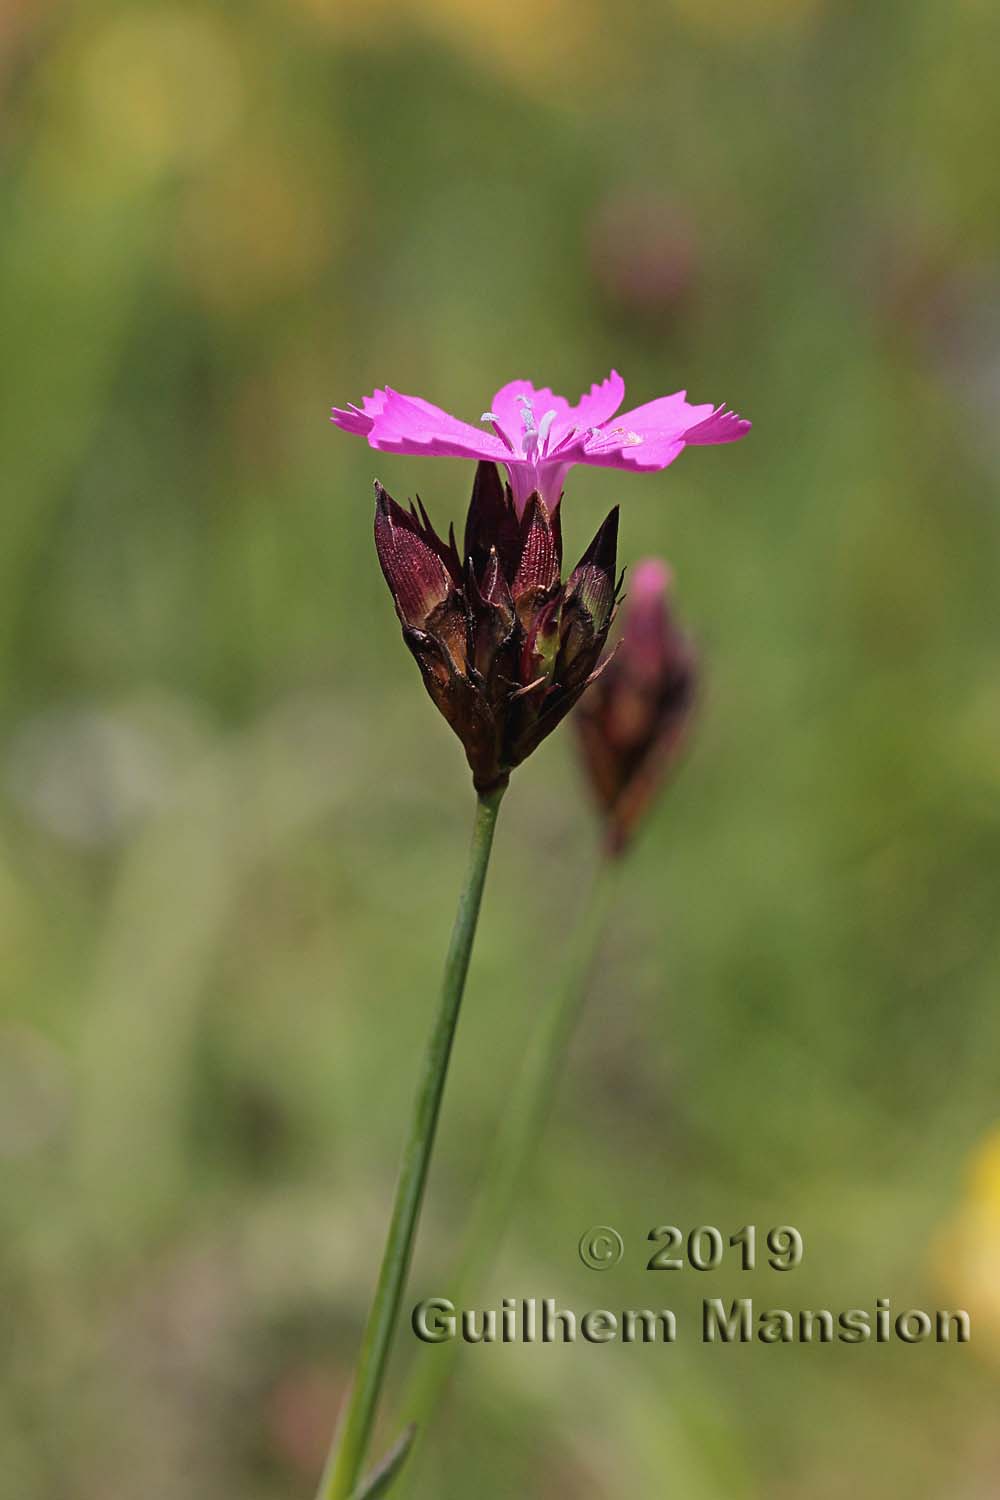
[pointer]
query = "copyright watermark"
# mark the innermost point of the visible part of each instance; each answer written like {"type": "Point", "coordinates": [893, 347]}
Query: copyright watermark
{"type": "Point", "coordinates": [601, 1247]}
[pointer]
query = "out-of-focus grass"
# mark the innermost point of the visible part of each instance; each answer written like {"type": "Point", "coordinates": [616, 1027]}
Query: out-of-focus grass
{"type": "Point", "coordinates": [233, 827]}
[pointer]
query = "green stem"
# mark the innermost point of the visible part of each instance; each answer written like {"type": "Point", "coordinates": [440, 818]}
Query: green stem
{"type": "Point", "coordinates": [351, 1441]}
{"type": "Point", "coordinates": [519, 1132]}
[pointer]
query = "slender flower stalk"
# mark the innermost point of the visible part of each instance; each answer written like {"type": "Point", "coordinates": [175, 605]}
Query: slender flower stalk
{"type": "Point", "coordinates": [351, 1442]}
{"type": "Point", "coordinates": [521, 1128]}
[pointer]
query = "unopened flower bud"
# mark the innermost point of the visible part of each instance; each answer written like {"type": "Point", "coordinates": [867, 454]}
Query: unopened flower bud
{"type": "Point", "coordinates": [632, 723]}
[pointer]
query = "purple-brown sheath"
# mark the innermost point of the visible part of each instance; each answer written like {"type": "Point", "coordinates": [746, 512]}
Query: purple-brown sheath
{"type": "Point", "coordinates": [633, 722]}
{"type": "Point", "coordinates": [505, 647]}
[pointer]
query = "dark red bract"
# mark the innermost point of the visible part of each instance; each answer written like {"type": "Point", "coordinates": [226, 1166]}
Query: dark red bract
{"type": "Point", "coordinates": [505, 647]}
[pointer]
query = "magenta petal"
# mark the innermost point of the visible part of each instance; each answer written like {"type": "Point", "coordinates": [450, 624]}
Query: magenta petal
{"type": "Point", "coordinates": [359, 419]}
{"type": "Point", "coordinates": [351, 420]}
{"type": "Point", "coordinates": [655, 453]}
{"type": "Point", "coordinates": [647, 437]}
{"type": "Point", "coordinates": [666, 417]}
{"type": "Point", "coordinates": [408, 424]}
{"type": "Point", "coordinates": [652, 436]}
{"type": "Point", "coordinates": [721, 427]}
{"type": "Point", "coordinates": [600, 404]}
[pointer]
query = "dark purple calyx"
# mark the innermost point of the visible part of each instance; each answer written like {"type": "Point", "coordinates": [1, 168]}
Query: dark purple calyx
{"type": "Point", "coordinates": [504, 647]}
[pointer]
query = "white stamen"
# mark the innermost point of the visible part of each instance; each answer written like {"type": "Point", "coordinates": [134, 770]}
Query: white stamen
{"type": "Point", "coordinates": [494, 422]}
{"type": "Point", "coordinates": [529, 438]}
{"type": "Point", "coordinates": [544, 428]}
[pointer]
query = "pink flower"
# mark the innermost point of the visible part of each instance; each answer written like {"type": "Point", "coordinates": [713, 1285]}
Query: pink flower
{"type": "Point", "coordinates": [538, 436]}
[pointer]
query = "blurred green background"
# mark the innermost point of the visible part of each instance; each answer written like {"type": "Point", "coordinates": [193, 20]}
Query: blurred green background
{"type": "Point", "coordinates": [233, 826]}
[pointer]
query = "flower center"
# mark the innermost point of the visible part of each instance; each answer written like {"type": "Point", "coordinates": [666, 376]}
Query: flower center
{"type": "Point", "coordinates": [533, 440]}
{"type": "Point", "coordinates": [533, 445]}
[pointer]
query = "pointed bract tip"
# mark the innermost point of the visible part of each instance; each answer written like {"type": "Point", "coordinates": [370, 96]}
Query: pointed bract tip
{"type": "Point", "coordinates": [418, 579]}
{"type": "Point", "coordinates": [603, 550]}
{"type": "Point", "coordinates": [487, 485]}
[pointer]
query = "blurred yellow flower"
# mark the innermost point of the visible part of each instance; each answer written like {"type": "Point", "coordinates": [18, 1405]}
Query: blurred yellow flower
{"type": "Point", "coordinates": [160, 89]}
{"type": "Point", "coordinates": [530, 41]}
{"type": "Point", "coordinates": [967, 1254]}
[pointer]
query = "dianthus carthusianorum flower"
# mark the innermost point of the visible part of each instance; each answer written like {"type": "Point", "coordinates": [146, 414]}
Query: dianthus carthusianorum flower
{"type": "Point", "coordinates": [539, 436]}
{"type": "Point", "coordinates": [505, 647]}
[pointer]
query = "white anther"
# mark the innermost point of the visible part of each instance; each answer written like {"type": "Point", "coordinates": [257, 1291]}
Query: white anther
{"type": "Point", "coordinates": [493, 420]}
{"type": "Point", "coordinates": [545, 427]}
{"type": "Point", "coordinates": [529, 438]}
{"type": "Point", "coordinates": [527, 413]}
